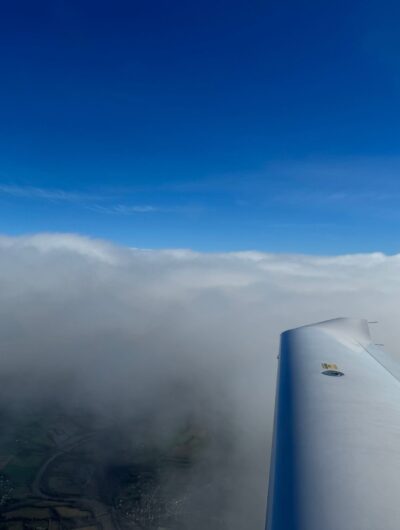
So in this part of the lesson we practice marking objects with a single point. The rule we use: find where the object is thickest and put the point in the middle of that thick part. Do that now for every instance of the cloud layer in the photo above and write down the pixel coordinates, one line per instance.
(120, 329)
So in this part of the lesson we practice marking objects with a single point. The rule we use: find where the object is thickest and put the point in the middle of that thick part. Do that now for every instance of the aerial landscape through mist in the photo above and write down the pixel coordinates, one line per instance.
(137, 386)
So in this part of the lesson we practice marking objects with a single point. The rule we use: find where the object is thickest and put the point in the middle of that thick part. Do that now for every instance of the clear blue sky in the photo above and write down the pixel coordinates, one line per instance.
(214, 125)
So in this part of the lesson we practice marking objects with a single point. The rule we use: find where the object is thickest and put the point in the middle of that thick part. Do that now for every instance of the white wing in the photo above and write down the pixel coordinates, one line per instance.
(336, 456)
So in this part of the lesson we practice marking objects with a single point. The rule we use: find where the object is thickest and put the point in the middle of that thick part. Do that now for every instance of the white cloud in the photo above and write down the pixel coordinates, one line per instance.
(33, 192)
(123, 209)
(132, 209)
(103, 203)
(126, 325)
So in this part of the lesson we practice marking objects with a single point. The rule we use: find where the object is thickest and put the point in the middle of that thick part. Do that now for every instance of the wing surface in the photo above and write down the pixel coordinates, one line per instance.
(335, 462)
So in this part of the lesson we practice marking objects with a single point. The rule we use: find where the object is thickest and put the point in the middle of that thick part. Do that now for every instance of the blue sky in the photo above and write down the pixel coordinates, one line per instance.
(214, 125)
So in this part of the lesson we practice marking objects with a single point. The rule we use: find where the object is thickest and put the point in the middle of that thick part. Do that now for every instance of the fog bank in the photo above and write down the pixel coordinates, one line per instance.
(174, 335)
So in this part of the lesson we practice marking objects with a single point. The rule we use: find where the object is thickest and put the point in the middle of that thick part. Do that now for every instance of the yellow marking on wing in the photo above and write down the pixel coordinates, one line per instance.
(329, 366)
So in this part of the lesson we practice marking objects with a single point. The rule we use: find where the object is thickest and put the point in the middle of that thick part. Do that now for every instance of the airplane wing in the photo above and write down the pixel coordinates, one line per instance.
(335, 461)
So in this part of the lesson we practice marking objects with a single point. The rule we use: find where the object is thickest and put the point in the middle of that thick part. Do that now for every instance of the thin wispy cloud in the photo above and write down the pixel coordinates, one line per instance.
(363, 186)
(96, 202)
(123, 209)
(127, 209)
(324, 197)
(33, 192)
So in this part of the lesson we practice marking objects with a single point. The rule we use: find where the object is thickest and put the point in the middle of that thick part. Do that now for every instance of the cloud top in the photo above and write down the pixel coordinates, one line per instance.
(122, 329)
